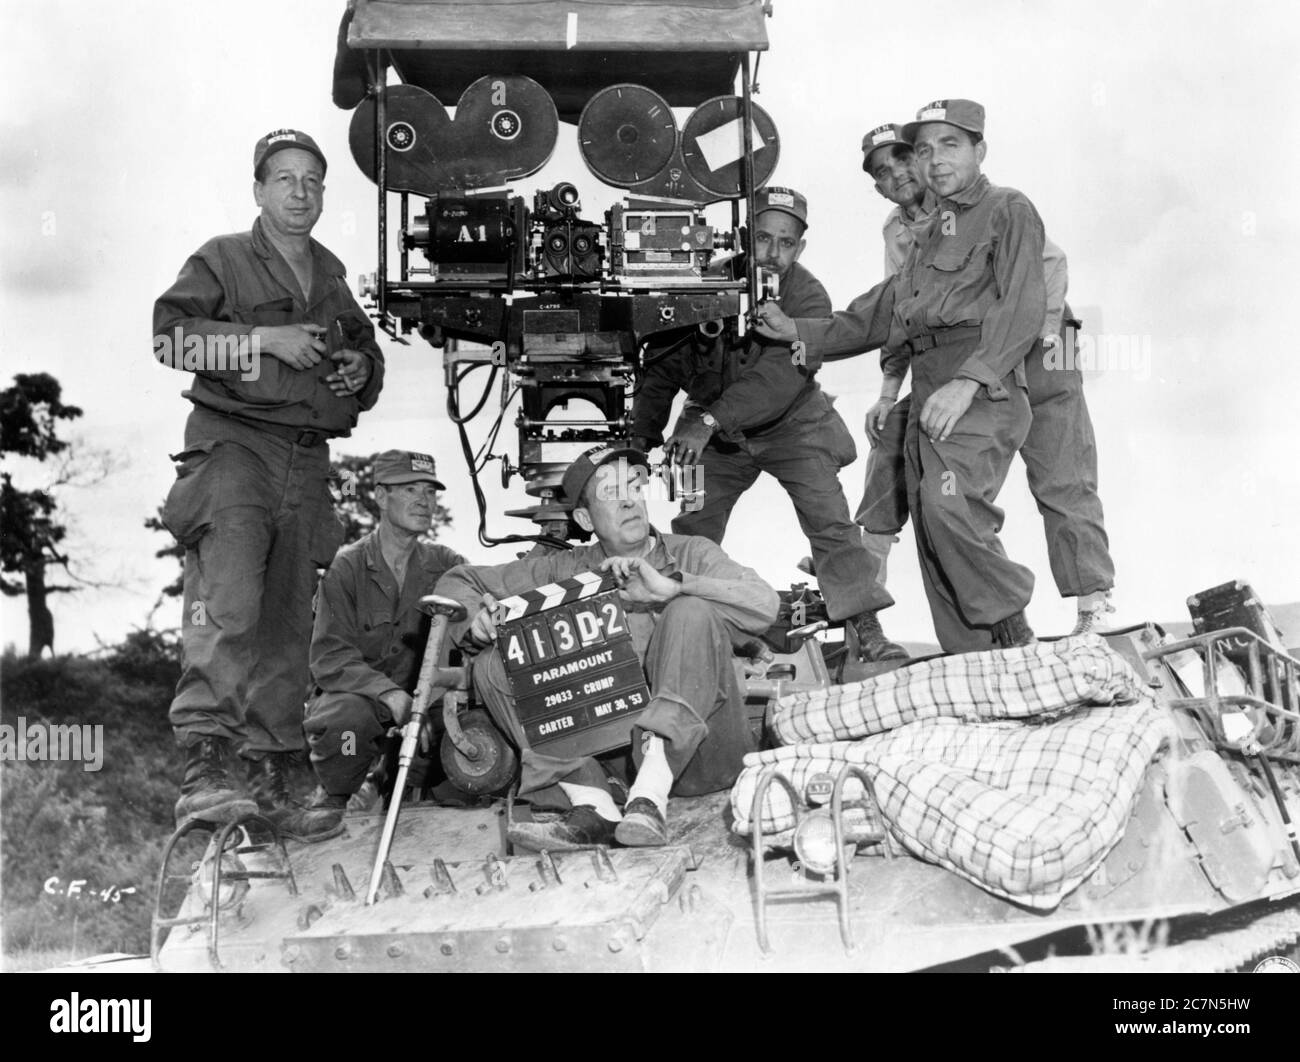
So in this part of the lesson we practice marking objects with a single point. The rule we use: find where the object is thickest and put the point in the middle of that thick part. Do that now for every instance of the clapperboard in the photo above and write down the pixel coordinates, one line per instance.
(574, 671)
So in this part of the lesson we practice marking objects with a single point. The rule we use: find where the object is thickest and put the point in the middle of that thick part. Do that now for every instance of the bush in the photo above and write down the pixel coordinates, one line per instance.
(148, 657)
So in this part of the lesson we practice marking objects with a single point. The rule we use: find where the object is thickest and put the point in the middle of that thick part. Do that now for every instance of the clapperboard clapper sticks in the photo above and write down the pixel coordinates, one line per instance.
(573, 668)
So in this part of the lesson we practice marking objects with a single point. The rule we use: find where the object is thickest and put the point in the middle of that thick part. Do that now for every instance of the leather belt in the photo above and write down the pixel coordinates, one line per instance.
(297, 436)
(943, 336)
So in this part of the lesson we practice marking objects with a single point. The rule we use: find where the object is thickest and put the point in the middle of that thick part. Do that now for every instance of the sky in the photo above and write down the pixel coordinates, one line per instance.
(1157, 140)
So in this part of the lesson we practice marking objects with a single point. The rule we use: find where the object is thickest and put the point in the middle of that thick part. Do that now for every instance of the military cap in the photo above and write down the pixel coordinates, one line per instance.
(964, 114)
(786, 200)
(886, 135)
(583, 467)
(278, 140)
(394, 467)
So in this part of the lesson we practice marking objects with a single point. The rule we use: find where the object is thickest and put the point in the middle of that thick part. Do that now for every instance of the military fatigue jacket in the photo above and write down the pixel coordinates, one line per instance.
(901, 233)
(744, 600)
(980, 261)
(369, 634)
(749, 388)
(231, 285)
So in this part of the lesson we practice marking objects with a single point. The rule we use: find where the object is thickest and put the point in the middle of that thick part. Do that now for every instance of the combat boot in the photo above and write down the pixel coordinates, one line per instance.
(207, 792)
(873, 646)
(1013, 632)
(579, 827)
(643, 825)
(269, 777)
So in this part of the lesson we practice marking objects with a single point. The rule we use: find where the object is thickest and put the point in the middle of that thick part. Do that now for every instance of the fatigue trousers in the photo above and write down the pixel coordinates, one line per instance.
(254, 513)
(805, 456)
(1060, 455)
(696, 706)
(883, 511)
(970, 582)
(345, 732)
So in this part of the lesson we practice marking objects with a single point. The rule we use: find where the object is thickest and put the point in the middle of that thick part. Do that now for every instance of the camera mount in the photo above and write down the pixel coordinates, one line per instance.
(561, 307)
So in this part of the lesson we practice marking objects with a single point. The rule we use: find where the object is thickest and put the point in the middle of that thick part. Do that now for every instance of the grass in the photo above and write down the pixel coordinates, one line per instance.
(35, 959)
(104, 829)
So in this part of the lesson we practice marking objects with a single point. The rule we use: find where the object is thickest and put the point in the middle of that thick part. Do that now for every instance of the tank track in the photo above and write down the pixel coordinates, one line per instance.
(1223, 951)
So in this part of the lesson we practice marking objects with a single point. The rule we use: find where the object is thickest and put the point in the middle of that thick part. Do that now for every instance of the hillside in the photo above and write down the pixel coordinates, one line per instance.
(103, 828)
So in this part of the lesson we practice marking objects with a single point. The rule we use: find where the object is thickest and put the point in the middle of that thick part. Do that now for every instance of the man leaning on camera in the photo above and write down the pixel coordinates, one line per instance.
(251, 503)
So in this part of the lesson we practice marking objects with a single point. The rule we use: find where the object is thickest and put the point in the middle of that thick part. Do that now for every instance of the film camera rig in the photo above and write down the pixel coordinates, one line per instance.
(558, 305)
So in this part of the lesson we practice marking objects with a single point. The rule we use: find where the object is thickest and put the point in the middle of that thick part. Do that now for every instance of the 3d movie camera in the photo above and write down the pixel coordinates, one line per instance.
(563, 306)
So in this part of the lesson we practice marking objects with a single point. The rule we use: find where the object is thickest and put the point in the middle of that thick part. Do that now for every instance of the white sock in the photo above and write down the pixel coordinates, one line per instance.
(655, 777)
(588, 796)
(1096, 602)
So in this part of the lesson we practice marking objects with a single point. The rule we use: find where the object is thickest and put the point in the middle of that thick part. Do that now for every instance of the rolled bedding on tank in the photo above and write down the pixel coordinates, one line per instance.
(1016, 769)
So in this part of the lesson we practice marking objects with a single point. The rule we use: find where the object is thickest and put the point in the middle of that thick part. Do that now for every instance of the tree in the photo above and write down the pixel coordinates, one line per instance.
(173, 549)
(29, 414)
(353, 488)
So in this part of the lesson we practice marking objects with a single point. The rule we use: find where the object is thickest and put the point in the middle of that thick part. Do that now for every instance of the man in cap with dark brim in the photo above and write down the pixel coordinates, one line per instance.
(251, 503)
(370, 632)
(766, 412)
(891, 164)
(684, 599)
(967, 307)
(889, 160)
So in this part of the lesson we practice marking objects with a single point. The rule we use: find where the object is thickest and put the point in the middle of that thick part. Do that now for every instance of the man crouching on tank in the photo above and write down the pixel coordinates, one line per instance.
(684, 597)
(369, 634)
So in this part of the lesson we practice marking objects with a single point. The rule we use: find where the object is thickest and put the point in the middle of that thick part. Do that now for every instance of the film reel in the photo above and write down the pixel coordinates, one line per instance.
(713, 146)
(627, 134)
(417, 124)
(505, 128)
(673, 182)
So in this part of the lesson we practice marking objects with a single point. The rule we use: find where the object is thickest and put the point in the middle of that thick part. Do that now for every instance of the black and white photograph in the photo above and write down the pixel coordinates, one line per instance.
(652, 486)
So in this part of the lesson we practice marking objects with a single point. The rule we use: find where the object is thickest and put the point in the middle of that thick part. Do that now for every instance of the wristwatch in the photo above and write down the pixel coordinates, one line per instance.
(709, 420)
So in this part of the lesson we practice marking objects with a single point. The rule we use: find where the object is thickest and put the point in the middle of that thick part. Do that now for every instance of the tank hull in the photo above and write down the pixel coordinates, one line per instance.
(1204, 839)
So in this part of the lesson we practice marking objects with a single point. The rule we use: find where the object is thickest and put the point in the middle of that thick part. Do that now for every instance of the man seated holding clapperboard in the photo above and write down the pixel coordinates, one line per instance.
(683, 598)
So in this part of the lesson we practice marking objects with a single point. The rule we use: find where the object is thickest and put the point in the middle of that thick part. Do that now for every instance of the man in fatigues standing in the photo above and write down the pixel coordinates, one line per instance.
(890, 162)
(370, 632)
(967, 307)
(1060, 451)
(251, 502)
(753, 409)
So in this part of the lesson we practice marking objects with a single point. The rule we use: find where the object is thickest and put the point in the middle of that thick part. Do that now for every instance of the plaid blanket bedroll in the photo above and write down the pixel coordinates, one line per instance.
(1024, 809)
(1035, 681)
